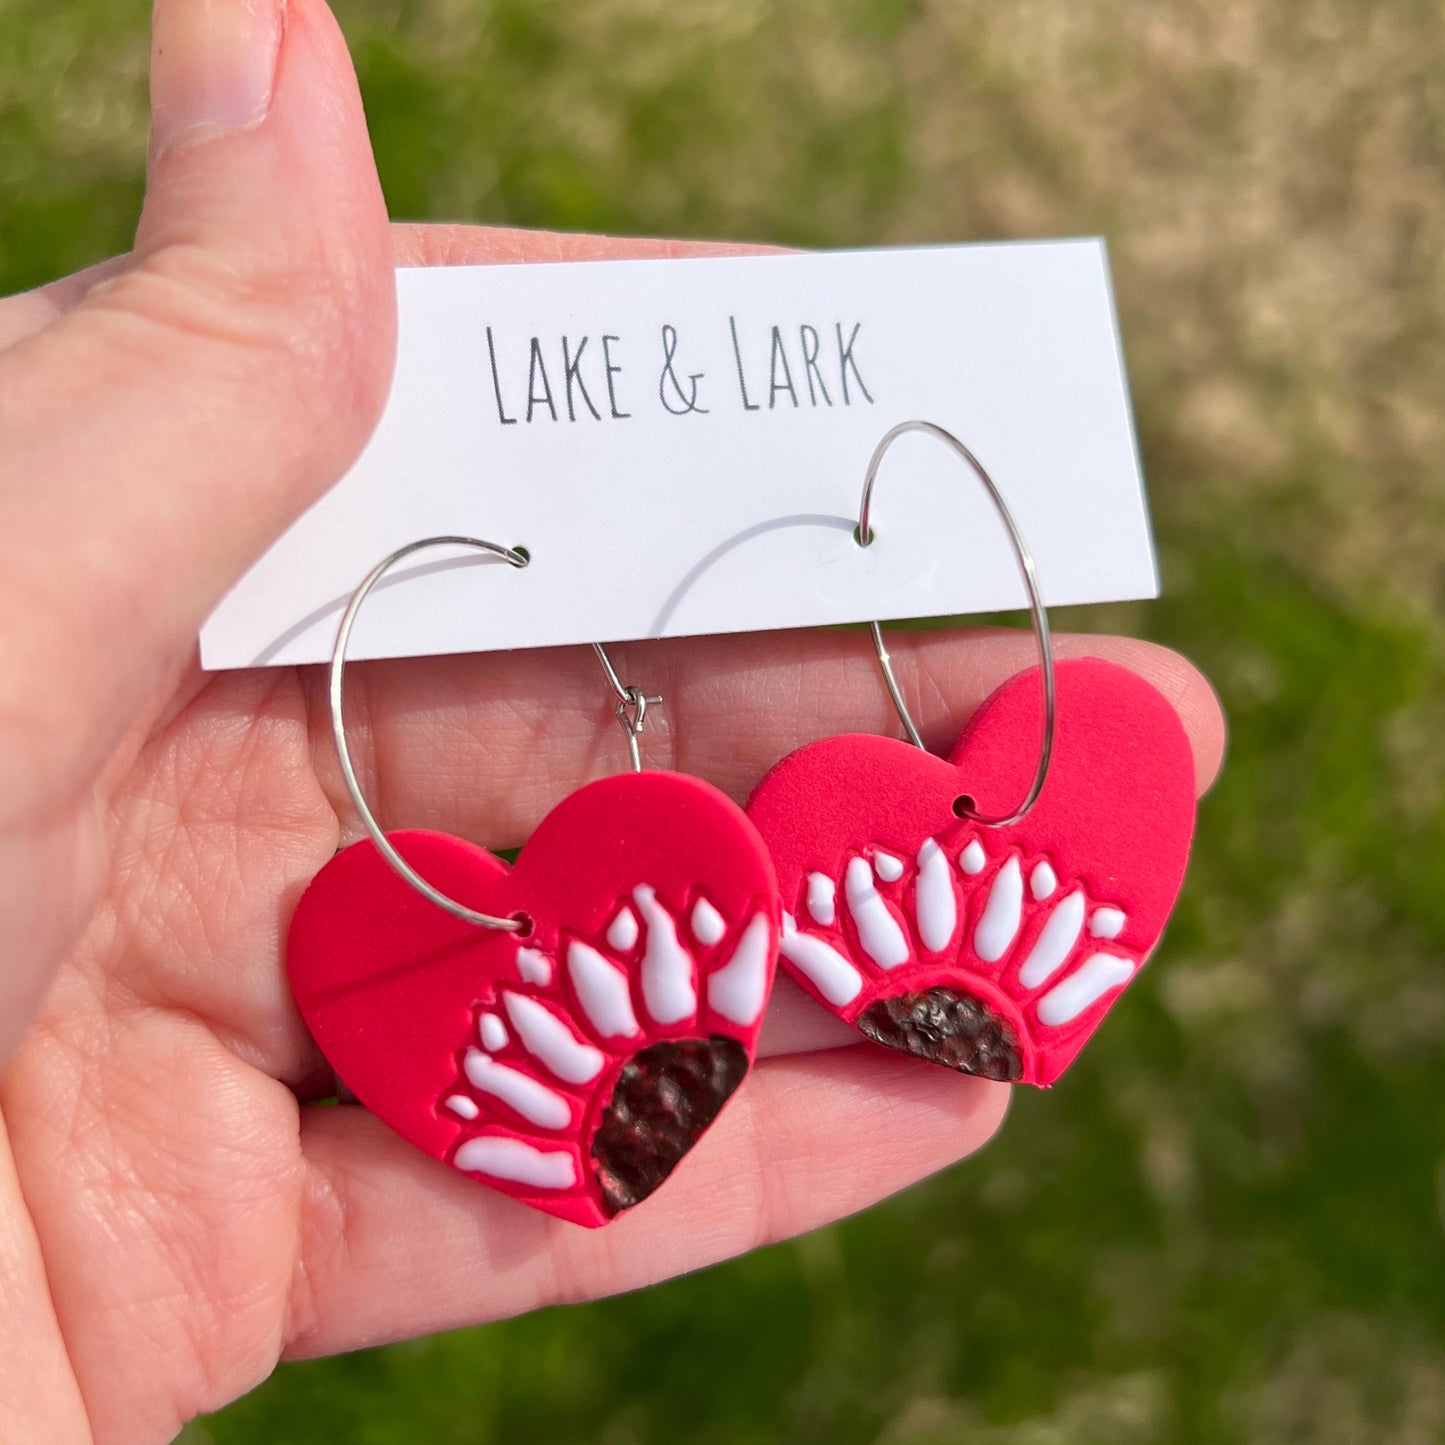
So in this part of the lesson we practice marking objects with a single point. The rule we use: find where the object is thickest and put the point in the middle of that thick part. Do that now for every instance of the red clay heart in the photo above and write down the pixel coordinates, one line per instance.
(994, 951)
(573, 1068)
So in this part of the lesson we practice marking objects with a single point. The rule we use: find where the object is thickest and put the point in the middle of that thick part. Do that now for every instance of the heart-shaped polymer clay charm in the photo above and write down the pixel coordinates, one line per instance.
(574, 1067)
(994, 951)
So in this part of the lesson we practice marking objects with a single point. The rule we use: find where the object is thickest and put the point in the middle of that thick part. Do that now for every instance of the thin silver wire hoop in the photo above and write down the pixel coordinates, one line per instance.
(338, 730)
(1025, 562)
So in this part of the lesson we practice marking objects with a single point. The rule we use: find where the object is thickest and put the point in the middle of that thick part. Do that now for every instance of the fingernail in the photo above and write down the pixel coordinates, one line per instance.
(213, 68)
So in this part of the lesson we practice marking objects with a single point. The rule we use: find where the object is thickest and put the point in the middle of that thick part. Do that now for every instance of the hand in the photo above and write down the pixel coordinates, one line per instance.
(173, 1217)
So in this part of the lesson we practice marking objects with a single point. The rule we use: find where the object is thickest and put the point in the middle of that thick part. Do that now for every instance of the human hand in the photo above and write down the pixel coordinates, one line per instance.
(174, 1217)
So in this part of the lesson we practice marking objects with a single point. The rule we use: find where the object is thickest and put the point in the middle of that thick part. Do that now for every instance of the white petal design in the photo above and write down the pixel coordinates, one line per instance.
(534, 966)
(828, 971)
(822, 899)
(549, 1039)
(707, 923)
(971, 860)
(1107, 922)
(623, 932)
(1055, 942)
(462, 1106)
(1097, 975)
(1043, 880)
(739, 990)
(602, 991)
(532, 1099)
(936, 904)
(878, 929)
(667, 986)
(517, 1162)
(1001, 914)
(492, 1032)
(889, 868)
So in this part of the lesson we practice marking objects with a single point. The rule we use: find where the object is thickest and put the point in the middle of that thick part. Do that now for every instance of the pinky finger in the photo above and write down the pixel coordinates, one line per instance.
(394, 1244)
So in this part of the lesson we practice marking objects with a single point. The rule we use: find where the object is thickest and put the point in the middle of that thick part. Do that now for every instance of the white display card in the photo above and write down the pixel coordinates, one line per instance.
(680, 446)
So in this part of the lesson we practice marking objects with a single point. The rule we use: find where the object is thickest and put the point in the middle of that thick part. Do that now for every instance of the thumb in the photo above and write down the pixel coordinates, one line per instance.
(157, 437)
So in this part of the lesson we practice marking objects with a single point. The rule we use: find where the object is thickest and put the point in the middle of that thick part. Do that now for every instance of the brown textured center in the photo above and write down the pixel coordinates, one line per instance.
(948, 1028)
(666, 1096)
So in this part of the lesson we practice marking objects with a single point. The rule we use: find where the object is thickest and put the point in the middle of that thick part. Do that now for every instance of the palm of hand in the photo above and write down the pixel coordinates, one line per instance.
(159, 1153)
(195, 1214)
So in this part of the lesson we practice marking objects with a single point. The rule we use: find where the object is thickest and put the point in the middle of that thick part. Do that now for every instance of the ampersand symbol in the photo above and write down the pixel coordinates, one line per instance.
(685, 400)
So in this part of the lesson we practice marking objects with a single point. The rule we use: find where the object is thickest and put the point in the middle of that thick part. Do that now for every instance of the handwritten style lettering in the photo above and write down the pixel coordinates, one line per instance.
(778, 366)
(792, 364)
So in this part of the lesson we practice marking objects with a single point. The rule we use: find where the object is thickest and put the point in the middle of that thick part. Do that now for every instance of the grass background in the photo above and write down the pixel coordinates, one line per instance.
(1227, 1225)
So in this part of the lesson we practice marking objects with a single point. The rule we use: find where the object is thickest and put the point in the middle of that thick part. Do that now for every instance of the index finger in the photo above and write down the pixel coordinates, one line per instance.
(417, 245)
(484, 746)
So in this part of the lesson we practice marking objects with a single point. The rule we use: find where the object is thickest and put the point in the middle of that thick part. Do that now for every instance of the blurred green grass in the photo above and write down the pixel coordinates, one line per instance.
(1226, 1225)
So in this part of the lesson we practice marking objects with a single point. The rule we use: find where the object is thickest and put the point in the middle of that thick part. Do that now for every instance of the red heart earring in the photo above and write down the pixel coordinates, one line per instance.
(565, 1029)
(938, 914)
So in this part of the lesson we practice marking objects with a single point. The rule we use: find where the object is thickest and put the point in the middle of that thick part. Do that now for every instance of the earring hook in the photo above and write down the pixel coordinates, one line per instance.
(632, 706)
(1036, 606)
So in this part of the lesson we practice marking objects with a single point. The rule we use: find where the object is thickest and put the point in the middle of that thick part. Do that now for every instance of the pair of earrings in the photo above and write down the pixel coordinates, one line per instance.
(565, 1029)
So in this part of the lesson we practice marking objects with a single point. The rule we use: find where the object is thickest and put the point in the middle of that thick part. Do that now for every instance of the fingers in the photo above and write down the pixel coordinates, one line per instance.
(158, 435)
(499, 245)
(395, 1244)
(484, 746)
(412, 245)
(798, 1024)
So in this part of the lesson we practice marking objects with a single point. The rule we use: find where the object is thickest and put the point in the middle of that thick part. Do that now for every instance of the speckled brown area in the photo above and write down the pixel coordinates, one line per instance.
(667, 1095)
(948, 1028)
